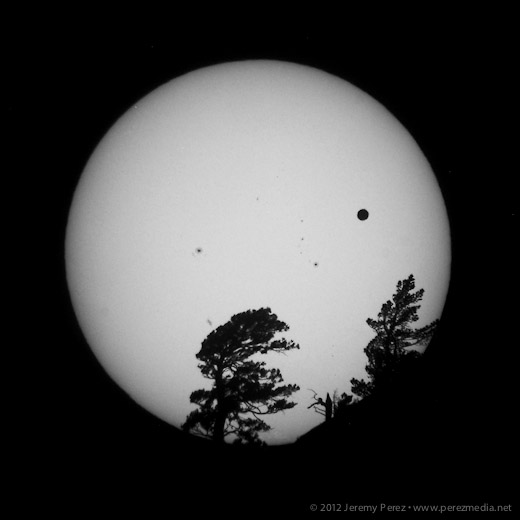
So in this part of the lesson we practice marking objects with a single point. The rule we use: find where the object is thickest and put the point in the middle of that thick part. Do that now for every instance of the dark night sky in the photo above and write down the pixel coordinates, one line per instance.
(450, 86)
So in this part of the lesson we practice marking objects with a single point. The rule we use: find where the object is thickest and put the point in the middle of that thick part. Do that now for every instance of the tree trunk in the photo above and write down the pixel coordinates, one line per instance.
(328, 408)
(218, 432)
(220, 420)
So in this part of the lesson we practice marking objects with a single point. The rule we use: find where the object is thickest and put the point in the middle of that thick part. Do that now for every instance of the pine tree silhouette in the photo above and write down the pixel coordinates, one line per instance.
(243, 390)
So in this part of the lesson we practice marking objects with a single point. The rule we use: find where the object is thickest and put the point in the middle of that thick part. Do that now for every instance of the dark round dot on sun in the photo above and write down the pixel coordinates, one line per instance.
(362, 214)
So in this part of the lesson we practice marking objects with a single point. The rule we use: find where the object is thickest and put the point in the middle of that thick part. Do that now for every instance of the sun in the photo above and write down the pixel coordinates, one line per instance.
(249, 185)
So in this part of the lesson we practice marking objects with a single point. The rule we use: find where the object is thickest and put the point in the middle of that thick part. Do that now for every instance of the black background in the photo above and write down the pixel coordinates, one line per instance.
(85, 444)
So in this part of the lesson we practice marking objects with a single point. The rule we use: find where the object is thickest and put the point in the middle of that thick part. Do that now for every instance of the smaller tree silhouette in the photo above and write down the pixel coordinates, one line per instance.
(330, 406)
(243, 389)
(323, 407)
(390, 351)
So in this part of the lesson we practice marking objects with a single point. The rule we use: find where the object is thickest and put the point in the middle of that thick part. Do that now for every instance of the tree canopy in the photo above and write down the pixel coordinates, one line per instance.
(243, 389)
